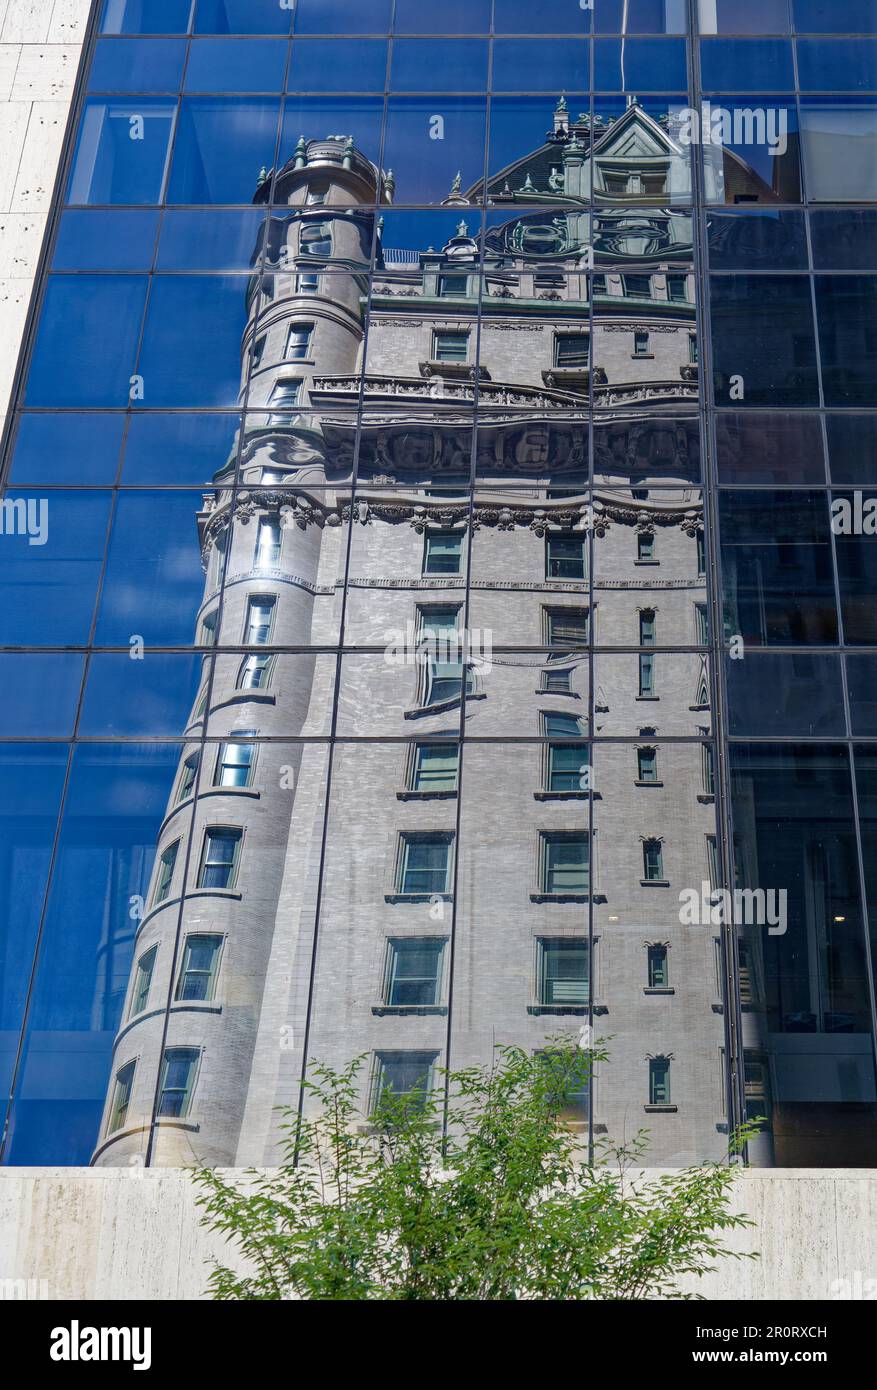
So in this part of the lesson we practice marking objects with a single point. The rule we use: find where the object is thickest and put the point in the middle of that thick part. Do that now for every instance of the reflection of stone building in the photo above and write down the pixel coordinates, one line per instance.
(533, 885)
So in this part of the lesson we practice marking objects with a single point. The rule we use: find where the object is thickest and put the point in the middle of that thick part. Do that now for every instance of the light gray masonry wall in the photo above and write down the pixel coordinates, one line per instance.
(106, 1234)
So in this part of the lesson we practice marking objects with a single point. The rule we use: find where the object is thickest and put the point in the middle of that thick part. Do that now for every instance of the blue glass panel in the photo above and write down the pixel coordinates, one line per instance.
(67, 449)
(457, 17)
(639, 65)
(191, 353)
(40, 693)
(862, 687)
(744, 16)
(87, 341)
(338, 65)
(122, 151)
(116, 800)
(835, 16)
(154, 581)
(47, 592)
(640, 16)
(137, 65)
(188, 449)
(221, 147)
(746, 65)
(242, 17)
(548, 17)
(762, 330)
(433, 65)
(846, 311)
(317, 117)
(425, 168)
(123, 240)
(223, 65)
(31, 782)
(343, 16)
(214, 240)
(837, 65)
(539, 65)
(844, 240)
(146, 16)
(137, 699)
(852, 448)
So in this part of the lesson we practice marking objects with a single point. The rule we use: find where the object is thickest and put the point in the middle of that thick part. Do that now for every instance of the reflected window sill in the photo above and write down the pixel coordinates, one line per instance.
(648, 782)
(658, 989)
(410, 794)
(418, 897)
(660, 1109)
(654, 883)
(566, 796)
(410, 1010)
(560, 1010)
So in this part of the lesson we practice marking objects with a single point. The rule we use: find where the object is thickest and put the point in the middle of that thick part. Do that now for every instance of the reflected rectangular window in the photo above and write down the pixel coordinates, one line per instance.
(653, 861)
(402, 1074)
(177, 1081)
(564, 557)
(434, 768)
(645, 547)
(450, 347)
(255, 672)
(565, 862)
(219, 857)
(414, 972)
(298, 341)
(659, 974)
(285, 395)
(562, 973)
(568, 768)
(659, 1081)
(143, 981)
(234, 765)
(268, 544)
(572, 349)
(558, 682)
(121, 1097)
(443, 552)
(453, 286)
(568, 1087)
(641, 344)
(164, 876)
(425, 863)
(647, 764)
(566, 627)
(197, 979)
(260, 620)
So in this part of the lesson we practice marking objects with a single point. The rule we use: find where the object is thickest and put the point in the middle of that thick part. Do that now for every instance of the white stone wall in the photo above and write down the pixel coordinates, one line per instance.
(40, 44)
(105, 1234)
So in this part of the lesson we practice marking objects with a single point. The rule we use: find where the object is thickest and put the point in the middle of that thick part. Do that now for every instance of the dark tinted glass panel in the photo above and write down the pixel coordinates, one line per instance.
(220, 148)
(743, 16)
(751, 153)
(146, 16)
(122, 152)
(793, 822)
(763, 342)
(844, 240)
(862, 688)
(343, 16)
(854, 522)
(760, 240)
(777, 566)
(756, 448)
(242, 17)
(223, 65)
(852, 448)
(48, 591)
(67, 448)
(137, 65)
(846, 310)
(123, 240)
(31, 781)
(746, 65)
(834, 16)
(789, 694)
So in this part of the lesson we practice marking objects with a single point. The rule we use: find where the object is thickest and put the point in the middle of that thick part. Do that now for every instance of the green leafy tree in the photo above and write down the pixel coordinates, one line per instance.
(482, 1193)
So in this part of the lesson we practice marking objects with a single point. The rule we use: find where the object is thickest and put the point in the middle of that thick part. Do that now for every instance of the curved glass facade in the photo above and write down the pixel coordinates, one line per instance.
(437, 608)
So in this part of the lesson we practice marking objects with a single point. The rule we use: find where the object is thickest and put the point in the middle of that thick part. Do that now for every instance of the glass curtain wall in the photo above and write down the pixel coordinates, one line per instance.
(437, 608)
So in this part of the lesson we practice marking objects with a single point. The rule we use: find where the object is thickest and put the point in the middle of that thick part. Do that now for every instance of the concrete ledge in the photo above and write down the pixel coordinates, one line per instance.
(105, 1233)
